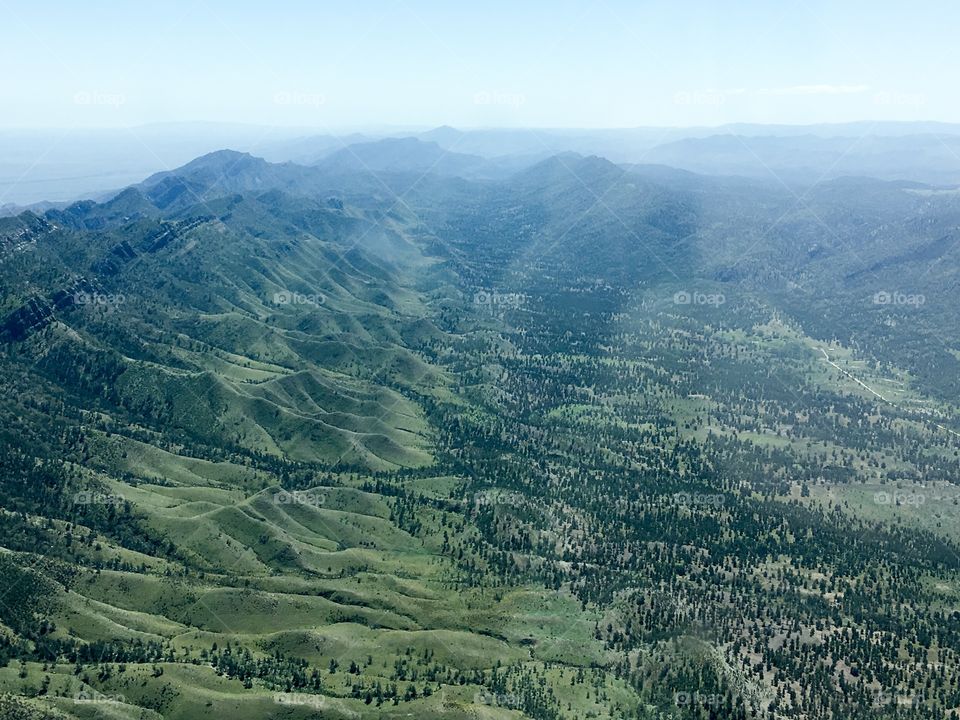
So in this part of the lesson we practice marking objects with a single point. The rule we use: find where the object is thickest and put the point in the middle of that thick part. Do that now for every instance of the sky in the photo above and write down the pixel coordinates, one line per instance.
(420, 63)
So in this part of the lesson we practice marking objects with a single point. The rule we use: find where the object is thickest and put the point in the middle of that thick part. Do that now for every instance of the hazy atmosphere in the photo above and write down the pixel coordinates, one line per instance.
(100, 96)
(539, 361)
(421, 64)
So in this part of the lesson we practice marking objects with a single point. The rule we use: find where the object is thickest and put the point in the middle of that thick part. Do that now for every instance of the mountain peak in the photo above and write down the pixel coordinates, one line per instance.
(403, 154)
(567, 166)
(226, 160)
(443, 134)
(217, 163)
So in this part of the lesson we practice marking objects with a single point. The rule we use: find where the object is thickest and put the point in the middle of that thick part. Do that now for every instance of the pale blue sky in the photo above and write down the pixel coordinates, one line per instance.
(422, 63)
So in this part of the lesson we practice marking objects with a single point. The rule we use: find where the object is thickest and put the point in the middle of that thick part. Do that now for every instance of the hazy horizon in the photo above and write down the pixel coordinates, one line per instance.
(308, 130)
(421, 64)
(515, 361)
(66, 164)
(100, 97)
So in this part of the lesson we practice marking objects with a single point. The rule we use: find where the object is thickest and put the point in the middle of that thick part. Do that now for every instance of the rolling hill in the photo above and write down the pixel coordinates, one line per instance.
(366, 439)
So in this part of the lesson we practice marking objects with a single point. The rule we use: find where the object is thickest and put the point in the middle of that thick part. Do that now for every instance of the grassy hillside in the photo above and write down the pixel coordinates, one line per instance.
(557, 446)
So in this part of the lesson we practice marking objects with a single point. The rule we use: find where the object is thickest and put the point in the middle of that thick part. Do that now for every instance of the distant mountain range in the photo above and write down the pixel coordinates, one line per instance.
(89, 164)
(405, 429)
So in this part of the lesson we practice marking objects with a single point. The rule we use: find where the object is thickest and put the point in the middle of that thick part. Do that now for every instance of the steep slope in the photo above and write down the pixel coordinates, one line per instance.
(587, 441)
(257, 338)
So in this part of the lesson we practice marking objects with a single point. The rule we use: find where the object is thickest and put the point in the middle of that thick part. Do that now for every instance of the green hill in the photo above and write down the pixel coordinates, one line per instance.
(587, 441)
